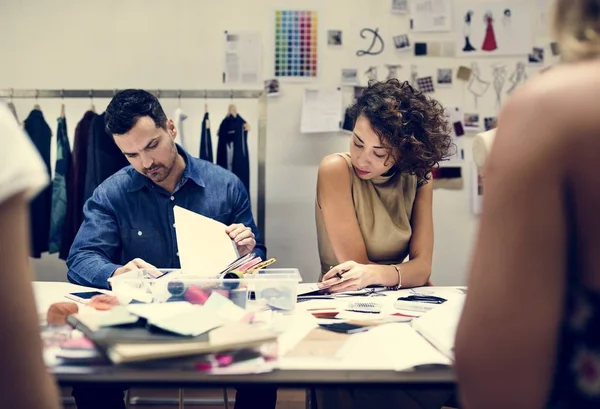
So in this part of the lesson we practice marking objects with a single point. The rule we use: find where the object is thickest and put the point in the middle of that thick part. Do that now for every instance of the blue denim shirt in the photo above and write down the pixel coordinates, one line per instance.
(129, 216)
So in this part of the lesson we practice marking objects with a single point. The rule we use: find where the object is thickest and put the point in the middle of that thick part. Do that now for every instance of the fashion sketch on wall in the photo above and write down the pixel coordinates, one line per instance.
(503, 28)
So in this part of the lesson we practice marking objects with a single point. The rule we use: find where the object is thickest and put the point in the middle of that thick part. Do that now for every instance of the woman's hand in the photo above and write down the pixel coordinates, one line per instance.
(350, 276)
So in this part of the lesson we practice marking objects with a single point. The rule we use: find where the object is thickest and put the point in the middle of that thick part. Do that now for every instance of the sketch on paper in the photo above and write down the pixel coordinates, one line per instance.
(431, 15)
(371, 73)
(501, 28)
(499, 74)
(476, 85)
(518, 77)
(392, 71)
(468, 47)
(414, 75)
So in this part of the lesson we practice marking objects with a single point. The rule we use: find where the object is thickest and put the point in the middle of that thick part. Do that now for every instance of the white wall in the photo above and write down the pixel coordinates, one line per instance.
(178, 44)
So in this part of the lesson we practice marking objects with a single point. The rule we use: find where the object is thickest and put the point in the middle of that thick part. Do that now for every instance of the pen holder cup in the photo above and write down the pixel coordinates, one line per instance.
(275, 290)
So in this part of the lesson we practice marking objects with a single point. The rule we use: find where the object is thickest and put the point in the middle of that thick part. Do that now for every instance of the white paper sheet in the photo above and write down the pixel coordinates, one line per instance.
(322, 110)
(431, 15)
(439, 325)
(243, 56)
(476, 190)
(204, 247)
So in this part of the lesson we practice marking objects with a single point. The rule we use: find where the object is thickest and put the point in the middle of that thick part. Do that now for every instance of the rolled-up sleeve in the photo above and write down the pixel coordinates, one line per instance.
(95, 250)
(242, 213)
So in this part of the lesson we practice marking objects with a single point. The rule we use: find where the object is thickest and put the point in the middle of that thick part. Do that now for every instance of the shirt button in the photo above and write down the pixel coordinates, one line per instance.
(139, 232)
(172, 197)
(173, 225)
(177, 254)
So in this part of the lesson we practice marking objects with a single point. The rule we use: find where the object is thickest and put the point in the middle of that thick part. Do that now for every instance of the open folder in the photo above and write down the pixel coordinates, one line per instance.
(204, 247)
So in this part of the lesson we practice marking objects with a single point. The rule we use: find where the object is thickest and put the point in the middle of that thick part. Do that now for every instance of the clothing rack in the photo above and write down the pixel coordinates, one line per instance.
(232, 94)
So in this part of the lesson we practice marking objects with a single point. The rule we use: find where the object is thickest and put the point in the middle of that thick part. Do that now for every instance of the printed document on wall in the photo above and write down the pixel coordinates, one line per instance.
(243, 56)
(322, 110)
(431, 15)
(203, 246)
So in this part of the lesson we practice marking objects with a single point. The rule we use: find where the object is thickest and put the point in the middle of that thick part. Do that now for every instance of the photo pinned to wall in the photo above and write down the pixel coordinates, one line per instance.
(476, 190)
(349, 76)
(455, 119)
(518, 77)
(334, 38)
(272, 87)
(296, 50)
(536, 56)
(400, 6)
(425, 84)
(402, 42)
(392, 71)
(472, 121)
(489, 122)
(420, 49)
(431, 16)
(499, 74)
(554, 48)
(477, 86)
(502, 28)
(444, 77)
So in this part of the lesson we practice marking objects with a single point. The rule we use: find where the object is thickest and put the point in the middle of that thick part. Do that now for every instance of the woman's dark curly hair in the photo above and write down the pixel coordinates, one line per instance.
(413, 126)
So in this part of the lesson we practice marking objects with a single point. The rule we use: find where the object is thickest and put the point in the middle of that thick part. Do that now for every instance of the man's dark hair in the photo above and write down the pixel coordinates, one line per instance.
(128, 106)
(407, 122)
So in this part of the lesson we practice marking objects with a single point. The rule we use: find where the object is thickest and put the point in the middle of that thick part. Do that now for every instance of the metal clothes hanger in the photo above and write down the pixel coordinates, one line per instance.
(37, 105)
(232, 108)
(62, 106)
(92, 107)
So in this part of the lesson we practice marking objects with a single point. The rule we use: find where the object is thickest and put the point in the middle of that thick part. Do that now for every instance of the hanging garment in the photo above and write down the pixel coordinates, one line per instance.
(76, 183)
(59, 186)
(206, 151)
(489, 42)
(39, 209)
(103, 159)
(180, 116)
(232, 149)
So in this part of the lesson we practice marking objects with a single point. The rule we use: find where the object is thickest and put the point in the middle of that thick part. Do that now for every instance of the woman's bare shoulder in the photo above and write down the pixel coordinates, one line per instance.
(334, 164)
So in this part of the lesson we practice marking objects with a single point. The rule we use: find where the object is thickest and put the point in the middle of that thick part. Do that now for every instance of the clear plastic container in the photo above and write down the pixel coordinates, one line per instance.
(274, 289)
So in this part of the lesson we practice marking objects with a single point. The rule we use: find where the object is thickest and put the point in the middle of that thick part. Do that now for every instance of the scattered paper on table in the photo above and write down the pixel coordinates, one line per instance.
(243, 55)
(204, 247)
(321, 110)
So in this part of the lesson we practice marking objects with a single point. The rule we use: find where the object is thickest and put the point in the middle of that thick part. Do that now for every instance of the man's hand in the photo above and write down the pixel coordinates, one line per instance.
(243, 238)
(135, 264)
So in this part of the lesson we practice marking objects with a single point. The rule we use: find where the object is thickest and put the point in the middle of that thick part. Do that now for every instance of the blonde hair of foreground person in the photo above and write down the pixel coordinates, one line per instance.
(25, 382)
(538, 235)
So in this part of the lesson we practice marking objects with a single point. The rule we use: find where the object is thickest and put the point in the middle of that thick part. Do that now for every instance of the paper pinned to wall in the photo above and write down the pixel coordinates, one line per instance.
(243, 56)
(321, 110)
(502, 28)
(431, 15)
(203, 246)
(476, 190)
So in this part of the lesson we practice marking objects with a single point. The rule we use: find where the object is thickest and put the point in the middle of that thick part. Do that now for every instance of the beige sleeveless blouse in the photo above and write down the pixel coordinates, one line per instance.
(383, 208)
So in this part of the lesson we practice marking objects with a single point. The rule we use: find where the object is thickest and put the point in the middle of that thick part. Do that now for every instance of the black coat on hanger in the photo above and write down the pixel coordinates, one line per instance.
(232, 148)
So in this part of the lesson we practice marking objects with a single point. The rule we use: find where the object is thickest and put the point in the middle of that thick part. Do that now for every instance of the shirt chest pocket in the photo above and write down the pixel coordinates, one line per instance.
(145, 243)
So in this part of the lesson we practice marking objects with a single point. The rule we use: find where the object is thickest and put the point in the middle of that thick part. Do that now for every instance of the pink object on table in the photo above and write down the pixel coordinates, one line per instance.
(195, 295)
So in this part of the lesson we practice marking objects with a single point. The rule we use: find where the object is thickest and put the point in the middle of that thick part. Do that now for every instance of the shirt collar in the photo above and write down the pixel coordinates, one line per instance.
(191, 172)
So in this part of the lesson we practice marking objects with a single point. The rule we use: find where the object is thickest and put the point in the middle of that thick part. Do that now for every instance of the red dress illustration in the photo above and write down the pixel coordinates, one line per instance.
(489, 42)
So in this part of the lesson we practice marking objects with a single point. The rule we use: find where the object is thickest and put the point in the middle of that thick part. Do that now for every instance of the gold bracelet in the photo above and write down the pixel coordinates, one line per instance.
(399, 275)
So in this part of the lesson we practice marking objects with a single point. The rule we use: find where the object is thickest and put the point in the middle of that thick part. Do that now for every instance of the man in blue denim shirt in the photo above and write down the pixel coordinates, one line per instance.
(129, 223)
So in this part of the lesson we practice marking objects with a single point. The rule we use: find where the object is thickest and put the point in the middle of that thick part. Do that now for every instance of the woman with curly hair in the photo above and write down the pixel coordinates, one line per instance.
(374, 208)
(374, 204)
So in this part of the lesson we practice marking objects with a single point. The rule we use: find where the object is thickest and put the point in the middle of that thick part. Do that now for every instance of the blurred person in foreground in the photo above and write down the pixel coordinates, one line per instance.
(26, 384)
(529, 336)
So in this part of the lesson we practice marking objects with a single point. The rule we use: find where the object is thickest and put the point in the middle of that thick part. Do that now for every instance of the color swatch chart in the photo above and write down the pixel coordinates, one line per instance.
(296, 43)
